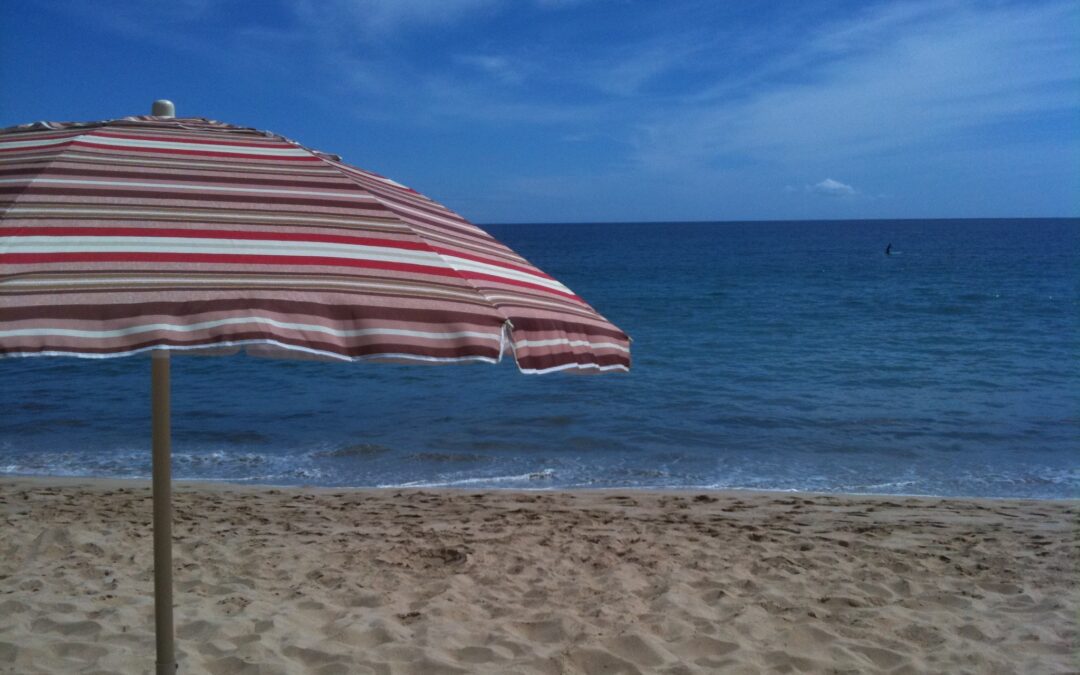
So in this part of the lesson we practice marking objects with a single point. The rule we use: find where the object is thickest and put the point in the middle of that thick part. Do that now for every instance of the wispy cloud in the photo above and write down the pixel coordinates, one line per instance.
(628, 72)
(384, 18)
(680, 97)
(499, 67)
(888, 79)
(559, 4)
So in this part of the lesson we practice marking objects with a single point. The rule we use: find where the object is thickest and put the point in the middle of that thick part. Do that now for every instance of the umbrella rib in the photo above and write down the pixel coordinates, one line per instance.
(335, 162)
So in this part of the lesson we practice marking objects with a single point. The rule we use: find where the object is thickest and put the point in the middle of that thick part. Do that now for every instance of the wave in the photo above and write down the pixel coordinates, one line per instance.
(534, 476)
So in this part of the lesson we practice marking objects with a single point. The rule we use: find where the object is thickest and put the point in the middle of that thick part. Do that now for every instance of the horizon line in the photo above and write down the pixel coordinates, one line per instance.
(768, 220)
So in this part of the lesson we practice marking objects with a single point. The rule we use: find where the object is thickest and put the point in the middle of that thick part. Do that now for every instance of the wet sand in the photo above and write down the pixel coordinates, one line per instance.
(276, 580)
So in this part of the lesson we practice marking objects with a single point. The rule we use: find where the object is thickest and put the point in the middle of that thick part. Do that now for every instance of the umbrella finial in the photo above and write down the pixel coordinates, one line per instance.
(163, 108)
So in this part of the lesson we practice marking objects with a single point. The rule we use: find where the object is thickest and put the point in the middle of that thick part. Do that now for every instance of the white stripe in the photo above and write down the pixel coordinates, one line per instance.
(455, 223)
(569, 366)
(420, 213)
(196, 187)
(112, 213)
(316, 249)
(461, 263)
(36, 143)
(205, 147)
(496, 270)
(328, 355)
(489, 248)
(286, 347)
(570, 343)
(391, 181)
(570, 305)
(187, 162)
(166, 281)
(360, 174)
(177, 328)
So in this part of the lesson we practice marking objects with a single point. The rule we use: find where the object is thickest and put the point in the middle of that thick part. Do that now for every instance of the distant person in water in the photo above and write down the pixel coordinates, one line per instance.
(888, 250)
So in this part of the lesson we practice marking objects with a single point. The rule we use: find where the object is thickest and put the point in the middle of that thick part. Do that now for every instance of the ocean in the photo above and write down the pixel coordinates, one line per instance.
(767, 355)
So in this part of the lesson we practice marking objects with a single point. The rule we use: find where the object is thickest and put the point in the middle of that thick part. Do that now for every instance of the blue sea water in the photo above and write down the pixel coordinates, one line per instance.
(780, 355)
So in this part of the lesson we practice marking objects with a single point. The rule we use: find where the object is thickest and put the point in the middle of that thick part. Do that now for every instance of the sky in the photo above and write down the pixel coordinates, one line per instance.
(603, 110)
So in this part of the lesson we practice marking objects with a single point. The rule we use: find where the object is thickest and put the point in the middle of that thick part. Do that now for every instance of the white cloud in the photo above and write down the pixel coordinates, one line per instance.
(832, 188)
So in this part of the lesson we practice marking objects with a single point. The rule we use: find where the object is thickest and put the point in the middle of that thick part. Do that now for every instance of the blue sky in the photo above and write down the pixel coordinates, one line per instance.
(579, 110)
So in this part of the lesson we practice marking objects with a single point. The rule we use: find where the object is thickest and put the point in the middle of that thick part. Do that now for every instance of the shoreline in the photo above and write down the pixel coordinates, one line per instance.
(450, 580)
(202, 483)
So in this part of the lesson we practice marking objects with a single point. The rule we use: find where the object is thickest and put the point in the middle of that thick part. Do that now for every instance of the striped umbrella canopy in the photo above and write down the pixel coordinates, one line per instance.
(156, 234)
(150, 232)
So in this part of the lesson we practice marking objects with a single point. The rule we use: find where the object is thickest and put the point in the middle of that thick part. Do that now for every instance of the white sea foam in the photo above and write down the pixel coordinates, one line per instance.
(542, 475)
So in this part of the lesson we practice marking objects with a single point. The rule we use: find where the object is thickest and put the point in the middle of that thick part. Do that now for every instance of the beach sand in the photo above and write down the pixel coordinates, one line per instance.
(275, 580)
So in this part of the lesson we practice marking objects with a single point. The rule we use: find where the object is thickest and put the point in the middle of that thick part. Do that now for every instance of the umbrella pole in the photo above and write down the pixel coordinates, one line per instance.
(162, 486)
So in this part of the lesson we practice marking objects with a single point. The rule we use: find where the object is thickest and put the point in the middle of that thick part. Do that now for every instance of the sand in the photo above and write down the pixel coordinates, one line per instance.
(407, 581)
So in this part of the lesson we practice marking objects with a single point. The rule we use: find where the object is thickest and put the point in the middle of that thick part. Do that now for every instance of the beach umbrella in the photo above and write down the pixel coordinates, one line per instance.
(155, 234)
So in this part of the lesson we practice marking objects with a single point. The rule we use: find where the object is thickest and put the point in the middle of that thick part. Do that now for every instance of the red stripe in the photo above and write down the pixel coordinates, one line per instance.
(200, 153)
(194, 177)
(252, 236)
(372, 177)
(16, 134)
(46, 258)
(359, 204)
(33, 148)
(544, 361)
(208, 234)
(378, 348)
(409, 200)
(200, 141)
(284, 260)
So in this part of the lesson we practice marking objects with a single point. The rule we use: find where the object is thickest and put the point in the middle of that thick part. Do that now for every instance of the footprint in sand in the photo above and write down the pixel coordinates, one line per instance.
(972, 632)
(477, 655)
(704, 647)
(882, 658)
(80, 651)
(545, 631)
(83, 629)
(590, 660)
(197, 631)
(311, 658)
(233, 665)
(636, 649)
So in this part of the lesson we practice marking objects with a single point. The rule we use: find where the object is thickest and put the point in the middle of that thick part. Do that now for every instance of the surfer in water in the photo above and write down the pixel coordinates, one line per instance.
(888, 249)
